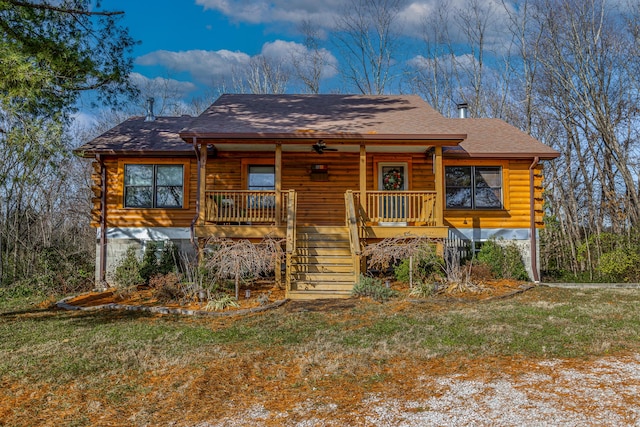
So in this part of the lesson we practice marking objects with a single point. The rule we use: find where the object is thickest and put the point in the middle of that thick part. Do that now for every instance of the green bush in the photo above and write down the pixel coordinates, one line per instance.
(221, 301)
(513, 264)
(423, 290)
(504, 261)
(152, 266)
(149, 265)
(620, 265)
(492, 255)
(127, 272)
(373, 288)
(427, 266)
(169, 257)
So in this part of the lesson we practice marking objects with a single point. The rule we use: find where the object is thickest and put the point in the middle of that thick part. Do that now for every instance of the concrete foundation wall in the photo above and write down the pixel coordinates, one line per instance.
(520, 236)
(119, 240)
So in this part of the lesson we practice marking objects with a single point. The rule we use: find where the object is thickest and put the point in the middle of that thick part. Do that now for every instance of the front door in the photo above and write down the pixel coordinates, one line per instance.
(393, 177)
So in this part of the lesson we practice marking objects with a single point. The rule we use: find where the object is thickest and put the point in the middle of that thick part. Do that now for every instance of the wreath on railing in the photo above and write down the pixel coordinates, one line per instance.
(392, 180)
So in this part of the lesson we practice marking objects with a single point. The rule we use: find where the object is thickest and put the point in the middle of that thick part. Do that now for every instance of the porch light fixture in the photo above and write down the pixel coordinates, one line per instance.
(319, 172)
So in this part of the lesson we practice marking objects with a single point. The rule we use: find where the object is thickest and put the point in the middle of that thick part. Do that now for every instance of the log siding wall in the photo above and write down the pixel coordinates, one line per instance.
(319, 202)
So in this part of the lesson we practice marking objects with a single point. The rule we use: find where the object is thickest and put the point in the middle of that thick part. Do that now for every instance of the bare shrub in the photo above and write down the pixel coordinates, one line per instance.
(481, 273)
(457, 276)
(241, 260)
(391, 250)
(166, 287)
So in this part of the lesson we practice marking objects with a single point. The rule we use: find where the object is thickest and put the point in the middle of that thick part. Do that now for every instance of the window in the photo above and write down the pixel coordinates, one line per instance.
(153, 186)
(261, 178)
(473, 187)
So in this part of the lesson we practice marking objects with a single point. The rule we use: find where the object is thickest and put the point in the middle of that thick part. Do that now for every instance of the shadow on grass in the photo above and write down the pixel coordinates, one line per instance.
(90, 317)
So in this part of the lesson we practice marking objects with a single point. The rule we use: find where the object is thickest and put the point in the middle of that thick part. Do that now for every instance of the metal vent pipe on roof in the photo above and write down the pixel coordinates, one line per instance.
(463, 110)
(150, 116)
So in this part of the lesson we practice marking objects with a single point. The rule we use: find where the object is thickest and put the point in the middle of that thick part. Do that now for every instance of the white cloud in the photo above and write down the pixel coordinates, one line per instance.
(205, 66)
(265, 11)
(177, 87)
(213, 67)
(284, 53)
(411, 18)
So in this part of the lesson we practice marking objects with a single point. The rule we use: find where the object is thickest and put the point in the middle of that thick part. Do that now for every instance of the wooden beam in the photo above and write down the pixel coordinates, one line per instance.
(363, 174)
(278, 186)
(381, 232)
(439, 184)
(241, 231)
(202, 177)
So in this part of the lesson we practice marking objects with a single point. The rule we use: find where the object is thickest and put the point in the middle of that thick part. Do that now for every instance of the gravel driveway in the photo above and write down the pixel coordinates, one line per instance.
(602, 392)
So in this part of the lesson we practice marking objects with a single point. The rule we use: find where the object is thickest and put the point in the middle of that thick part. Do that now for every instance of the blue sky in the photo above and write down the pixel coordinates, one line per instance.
(191, 46)
(197, 41)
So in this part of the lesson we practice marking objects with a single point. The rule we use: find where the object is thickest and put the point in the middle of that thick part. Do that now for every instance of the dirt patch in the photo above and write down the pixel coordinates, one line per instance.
(264, 293)
(260, 294)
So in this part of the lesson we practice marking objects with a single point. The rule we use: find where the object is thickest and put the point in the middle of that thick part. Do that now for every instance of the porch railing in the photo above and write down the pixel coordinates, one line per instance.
(291, 207)
(416, 207)
(351, 220)
(245, 207)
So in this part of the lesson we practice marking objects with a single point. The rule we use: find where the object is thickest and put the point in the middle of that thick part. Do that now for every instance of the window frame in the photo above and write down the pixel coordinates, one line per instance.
(504, 199)
(122, 165)
(251, 165)
(247, 163)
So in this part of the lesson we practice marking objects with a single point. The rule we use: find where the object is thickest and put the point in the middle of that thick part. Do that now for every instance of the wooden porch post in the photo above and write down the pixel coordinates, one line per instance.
(439, 184)
(363, 175)
(202, 177)
(278, 186)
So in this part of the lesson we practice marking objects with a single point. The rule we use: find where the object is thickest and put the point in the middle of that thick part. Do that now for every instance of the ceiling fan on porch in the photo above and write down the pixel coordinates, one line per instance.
(320, 147)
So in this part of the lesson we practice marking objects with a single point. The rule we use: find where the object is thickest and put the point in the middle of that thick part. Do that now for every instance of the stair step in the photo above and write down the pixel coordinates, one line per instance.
(322, 268)
(323, 264)
(308, 295)
(335, 252)
(322, 286)
(323, 244)
(323, 230)
(338, 259)
(324, 277)
(310, 237)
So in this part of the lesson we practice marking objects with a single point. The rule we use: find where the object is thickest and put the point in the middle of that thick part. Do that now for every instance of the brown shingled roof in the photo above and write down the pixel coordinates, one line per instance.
(493, 138)
(135, 136)
(328, 116)
(378, 119)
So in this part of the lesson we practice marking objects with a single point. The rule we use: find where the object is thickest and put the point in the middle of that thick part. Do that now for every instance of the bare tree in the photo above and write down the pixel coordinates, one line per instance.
(431, 72)
(367, 38)
(309, 66)
(266, 76)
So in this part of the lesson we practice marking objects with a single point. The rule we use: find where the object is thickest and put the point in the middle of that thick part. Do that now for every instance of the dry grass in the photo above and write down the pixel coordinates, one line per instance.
(303, 360)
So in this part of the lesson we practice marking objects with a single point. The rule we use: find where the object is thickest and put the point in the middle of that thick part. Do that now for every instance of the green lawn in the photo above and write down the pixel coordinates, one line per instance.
(113, 356)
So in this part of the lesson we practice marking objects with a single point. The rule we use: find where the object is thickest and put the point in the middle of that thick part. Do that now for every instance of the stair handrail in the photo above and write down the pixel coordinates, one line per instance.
(351, 221)
(292, 203)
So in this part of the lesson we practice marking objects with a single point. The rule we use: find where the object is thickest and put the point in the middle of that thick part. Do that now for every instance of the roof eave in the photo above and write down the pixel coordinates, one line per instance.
(531, 155)
(89, 154)
(304, 137)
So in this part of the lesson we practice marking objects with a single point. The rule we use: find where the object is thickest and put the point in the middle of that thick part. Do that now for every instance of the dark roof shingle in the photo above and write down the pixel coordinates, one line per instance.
(491, 138)
(327, 116)
(136, 136)
(384, 119)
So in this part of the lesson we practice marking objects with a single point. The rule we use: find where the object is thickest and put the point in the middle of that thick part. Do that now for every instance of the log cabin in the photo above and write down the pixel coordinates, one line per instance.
(325, 173)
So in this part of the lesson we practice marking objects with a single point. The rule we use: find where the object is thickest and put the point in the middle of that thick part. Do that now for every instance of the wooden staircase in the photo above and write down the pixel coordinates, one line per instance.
(322, 266)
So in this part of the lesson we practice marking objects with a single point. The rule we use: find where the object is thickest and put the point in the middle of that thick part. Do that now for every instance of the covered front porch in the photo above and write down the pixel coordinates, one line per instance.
(326, 220)
(311, 188)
